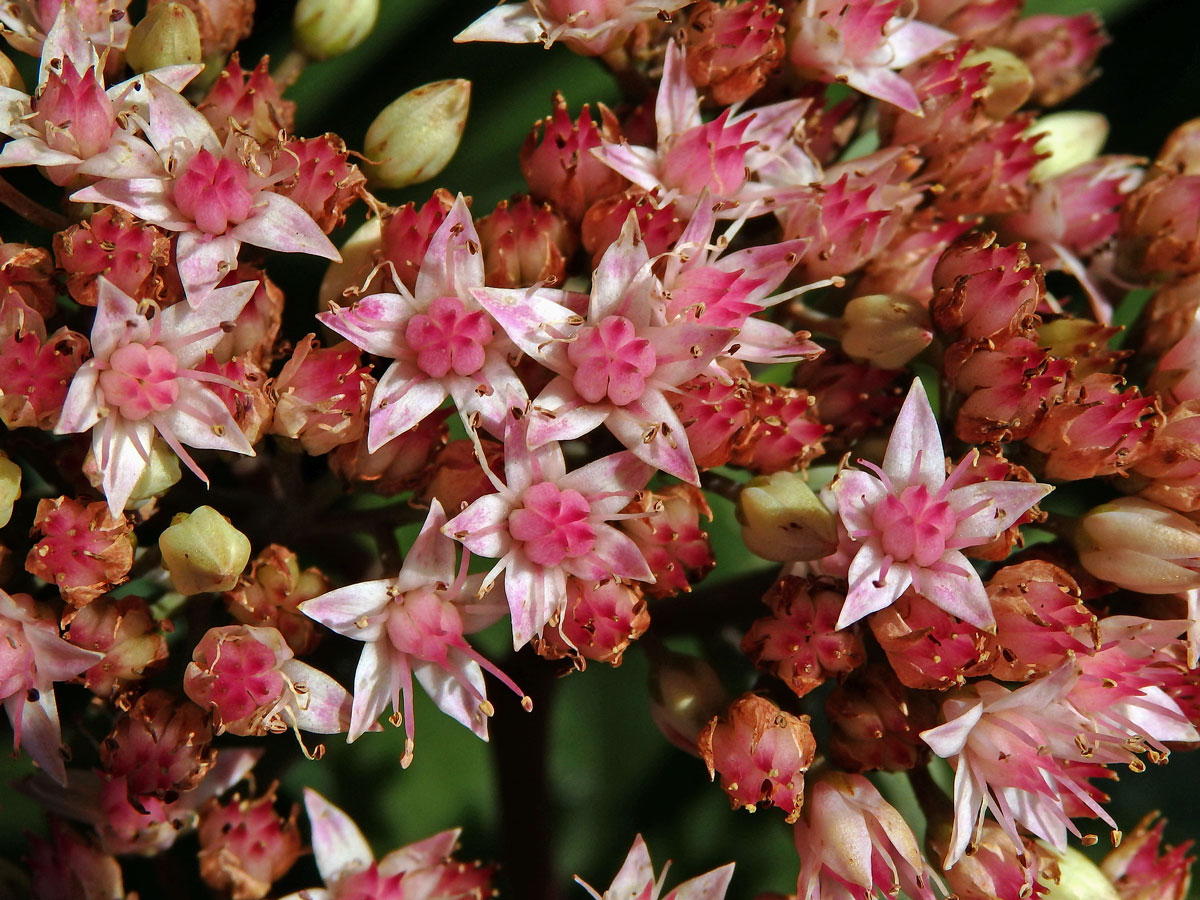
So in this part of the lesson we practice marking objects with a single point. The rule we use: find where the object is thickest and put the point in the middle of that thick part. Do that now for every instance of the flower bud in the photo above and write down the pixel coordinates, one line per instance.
(1140, 546)
(156, 478)
(415, 136)
(886, 331)
(325, 28)
(357, 259)
(1009, 81)
(203, 552)
(685, 695)
(783, 520)
(1079, 878)
(10, 76)
(10, 487)
(167, 36)
(1070, 138)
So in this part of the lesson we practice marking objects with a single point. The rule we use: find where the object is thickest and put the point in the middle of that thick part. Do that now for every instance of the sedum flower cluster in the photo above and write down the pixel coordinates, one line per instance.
(803, 266)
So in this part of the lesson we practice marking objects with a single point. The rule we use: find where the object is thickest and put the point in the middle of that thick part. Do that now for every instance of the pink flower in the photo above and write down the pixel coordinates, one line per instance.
(591, 27)
(71, 125)
(859, 43)
(28, 24)
(216, 196)
(853, 844)
(544, 524)
(413, 624)
(425, 870)
(693, 156)
(144, 378)
(636, 880)
(32, 657)
(442, 341)
(615, 366)
(912, 522)
(1016, 753)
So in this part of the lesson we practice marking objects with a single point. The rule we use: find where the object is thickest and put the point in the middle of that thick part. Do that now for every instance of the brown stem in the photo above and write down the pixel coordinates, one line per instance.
(289, 69)
(30, 210)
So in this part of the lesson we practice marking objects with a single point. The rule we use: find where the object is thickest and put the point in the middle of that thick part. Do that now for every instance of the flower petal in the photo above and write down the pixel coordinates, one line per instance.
(338, 846)
(914, 452)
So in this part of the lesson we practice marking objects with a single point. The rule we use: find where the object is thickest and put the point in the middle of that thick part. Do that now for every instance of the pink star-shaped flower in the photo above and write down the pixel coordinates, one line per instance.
(912, 523)
(413, 624)
(144, 378)
(442, 341)
(71, 124)
(215, 196)
(544, 524)
(616, 365)
(636, 880)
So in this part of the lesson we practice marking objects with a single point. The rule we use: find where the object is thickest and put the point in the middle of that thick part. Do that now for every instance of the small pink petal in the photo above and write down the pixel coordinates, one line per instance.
(338, 846)
(280, 223)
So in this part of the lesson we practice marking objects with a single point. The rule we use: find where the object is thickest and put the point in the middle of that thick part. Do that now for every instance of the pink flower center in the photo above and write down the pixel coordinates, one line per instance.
(214, 192)
(424, 625)
(611, 360)
(553, 524)
(369, 884)
(243, 681)
(914, 526)
(140, 380)
(448, 337)
(708, 156)
(74, 113)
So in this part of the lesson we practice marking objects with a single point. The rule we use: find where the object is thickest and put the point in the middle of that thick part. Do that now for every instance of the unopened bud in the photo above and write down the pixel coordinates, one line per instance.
(685, 695)
(1009, 81)
(162, 473)
(783, 520)
(10, 487)
(325, 28)
(415, 136)
(10, 76)
(203, 552)
(168, 35)
(1140, 546)
(1078, 878)
(885, 330)
(1071, 138)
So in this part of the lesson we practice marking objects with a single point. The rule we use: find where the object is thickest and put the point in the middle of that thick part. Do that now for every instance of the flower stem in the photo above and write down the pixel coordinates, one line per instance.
(30, 210)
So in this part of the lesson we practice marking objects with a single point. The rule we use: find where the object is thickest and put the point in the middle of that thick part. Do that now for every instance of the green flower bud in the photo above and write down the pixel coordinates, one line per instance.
(783, 520)
(203, 552)
(156, 478)
(10, 487)
(168, 35)
(415, 136)
(1078, 878)
(1071, 138)
(1140, 546)
(1009, 81)
(685, 695)
(885, 330)
(325, 28)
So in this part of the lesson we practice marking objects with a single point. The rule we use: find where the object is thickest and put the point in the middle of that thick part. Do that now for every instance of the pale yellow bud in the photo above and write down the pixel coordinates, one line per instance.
(783, 520)
(685, 695)
(203, 552)
(1140, 546)
(9, 76)
(326, 28)
(358, 256)
(1079, 878)
(415, 136)
(157, 477)
(10, 487)
(167, 36)
(1009, 81)
(885, 330)
(1071, 138)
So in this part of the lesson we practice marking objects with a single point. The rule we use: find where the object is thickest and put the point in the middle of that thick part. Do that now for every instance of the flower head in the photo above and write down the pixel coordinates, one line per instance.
(636, 880)
(144, 379)
(413, 624)
(912, 521)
